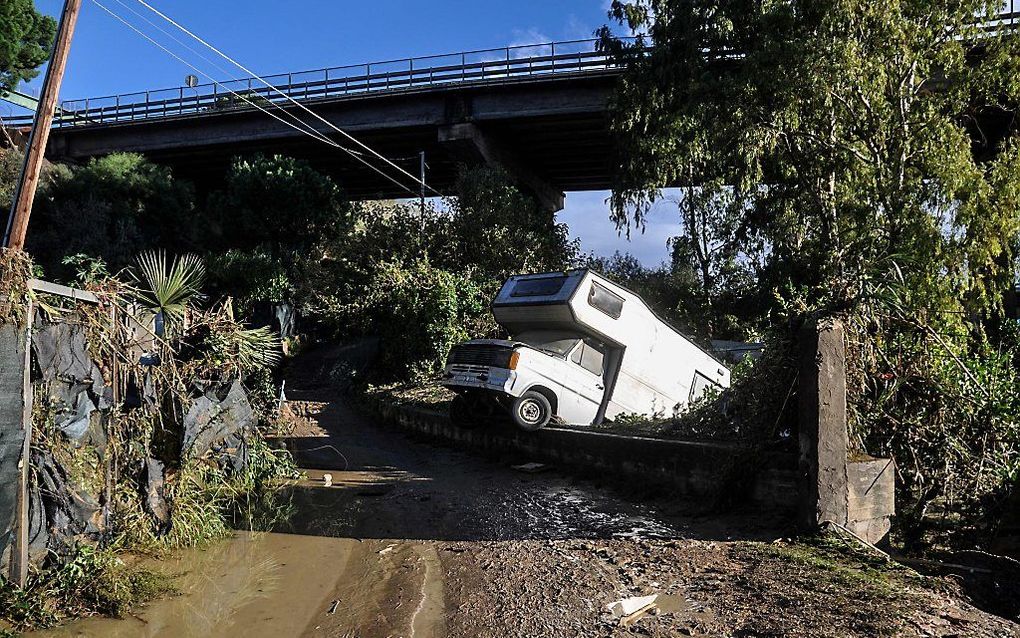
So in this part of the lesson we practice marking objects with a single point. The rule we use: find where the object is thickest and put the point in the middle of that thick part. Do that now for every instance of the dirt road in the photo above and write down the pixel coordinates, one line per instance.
(420, 541)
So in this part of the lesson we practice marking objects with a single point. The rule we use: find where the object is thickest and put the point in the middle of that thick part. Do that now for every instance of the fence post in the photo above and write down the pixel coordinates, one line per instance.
(822, 424)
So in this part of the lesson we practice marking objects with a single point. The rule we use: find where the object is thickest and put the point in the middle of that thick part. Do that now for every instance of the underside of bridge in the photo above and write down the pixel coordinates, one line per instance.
(551, 134)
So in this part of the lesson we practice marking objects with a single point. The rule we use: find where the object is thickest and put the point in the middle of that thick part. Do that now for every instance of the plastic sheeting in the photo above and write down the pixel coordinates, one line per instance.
(12, 434)
(71, 378)
(212, 418)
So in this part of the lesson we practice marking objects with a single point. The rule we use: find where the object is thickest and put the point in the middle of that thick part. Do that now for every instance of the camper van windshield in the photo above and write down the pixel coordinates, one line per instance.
(558, 343)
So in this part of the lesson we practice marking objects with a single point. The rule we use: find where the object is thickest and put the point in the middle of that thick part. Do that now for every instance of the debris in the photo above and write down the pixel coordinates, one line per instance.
(155, 502)
(332, 608)
(212, 418)
(630, 610)
(327, 479)
(531, 468)
(387, 549)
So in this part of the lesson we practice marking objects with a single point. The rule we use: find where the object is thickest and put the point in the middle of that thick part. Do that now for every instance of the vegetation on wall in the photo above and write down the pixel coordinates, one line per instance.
(142, 475)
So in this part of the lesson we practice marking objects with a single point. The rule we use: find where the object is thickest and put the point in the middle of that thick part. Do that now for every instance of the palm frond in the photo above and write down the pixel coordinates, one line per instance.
(168, 287)
(257, 348)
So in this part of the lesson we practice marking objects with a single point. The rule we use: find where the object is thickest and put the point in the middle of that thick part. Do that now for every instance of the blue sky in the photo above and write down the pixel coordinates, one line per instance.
(273, 36)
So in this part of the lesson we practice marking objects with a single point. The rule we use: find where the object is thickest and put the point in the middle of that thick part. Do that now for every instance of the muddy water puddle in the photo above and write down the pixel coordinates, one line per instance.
(276, 585)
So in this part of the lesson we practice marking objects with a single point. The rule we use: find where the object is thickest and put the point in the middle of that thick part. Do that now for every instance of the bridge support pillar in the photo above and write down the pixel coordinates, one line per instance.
(468, 142)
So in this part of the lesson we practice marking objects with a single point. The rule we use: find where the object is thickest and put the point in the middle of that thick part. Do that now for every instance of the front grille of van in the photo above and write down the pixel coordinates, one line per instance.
(480, 355)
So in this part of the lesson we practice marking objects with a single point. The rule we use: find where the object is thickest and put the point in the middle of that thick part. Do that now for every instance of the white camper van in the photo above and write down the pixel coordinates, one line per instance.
(583, 350)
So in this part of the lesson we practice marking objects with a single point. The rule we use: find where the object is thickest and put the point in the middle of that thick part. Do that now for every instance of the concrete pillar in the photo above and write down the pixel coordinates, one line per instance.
(468, 142)
(822, 424)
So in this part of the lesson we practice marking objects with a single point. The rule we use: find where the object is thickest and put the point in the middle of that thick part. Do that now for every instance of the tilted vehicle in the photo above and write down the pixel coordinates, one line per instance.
(583, 350)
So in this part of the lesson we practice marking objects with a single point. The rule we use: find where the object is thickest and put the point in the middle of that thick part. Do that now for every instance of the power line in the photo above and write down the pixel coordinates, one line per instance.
(284, 95)
(219, 68)
(315, 135)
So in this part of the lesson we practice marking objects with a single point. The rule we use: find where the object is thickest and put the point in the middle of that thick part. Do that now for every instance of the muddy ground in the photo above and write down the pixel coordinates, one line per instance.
(411, 539)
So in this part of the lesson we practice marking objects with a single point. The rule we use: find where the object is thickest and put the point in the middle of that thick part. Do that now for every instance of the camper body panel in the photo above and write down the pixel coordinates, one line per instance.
(623, 358)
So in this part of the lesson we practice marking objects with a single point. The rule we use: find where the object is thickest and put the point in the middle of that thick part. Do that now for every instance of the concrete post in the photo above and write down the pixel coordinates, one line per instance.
(823, 424)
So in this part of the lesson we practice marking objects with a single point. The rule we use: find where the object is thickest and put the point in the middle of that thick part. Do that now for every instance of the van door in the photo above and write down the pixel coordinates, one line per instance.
(587, 365)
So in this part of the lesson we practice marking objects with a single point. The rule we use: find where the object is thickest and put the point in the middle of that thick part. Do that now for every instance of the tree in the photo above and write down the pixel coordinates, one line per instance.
(26, 37)
(849, 138)
(501, 231)
(841, 128)
(277, 202)
(112, 208)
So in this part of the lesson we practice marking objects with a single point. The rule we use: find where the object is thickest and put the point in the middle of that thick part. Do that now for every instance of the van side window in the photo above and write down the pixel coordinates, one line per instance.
(588, 357)
(700, 385)
(606, 300)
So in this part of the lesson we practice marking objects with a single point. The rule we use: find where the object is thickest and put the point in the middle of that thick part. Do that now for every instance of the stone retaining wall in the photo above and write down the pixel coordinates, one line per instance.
(693, 469)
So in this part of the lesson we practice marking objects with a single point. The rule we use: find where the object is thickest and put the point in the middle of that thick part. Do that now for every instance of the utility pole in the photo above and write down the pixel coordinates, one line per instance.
(421, 158)
(17, 222)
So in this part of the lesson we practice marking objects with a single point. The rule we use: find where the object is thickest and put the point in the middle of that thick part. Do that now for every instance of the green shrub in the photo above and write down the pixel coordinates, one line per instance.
(421, 312)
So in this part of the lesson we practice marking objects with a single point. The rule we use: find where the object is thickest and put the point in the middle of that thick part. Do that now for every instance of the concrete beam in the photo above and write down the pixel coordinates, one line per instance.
(467, 141)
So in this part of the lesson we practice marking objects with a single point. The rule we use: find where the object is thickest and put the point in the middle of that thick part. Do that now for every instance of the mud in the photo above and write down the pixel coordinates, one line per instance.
(419, 541)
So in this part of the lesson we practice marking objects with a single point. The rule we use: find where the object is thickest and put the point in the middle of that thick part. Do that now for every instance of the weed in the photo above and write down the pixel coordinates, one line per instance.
(91, 581)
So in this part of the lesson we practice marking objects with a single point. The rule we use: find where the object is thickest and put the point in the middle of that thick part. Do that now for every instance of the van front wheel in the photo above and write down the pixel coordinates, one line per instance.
(531, 411)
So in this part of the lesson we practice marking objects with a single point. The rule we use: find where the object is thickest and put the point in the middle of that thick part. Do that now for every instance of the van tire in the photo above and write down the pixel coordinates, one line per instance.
(531, 411)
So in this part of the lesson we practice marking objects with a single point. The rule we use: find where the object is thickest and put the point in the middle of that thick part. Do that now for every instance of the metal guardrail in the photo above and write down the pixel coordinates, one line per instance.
(482, 66)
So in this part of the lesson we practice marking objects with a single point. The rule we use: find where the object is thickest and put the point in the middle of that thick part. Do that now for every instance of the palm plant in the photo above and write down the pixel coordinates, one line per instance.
(257, 348)
(166, 288)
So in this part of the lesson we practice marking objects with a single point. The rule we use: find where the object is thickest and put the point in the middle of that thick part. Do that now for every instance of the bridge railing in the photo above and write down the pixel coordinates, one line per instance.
(482, 66)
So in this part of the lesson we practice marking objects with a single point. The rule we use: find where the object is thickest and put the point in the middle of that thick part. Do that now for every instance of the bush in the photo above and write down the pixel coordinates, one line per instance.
(111, 209)
(421, 312)
(945, 407)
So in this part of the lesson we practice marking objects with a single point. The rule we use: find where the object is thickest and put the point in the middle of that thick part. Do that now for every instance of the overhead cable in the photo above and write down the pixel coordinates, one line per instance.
(315, 135)
(285, 95)
(219, 68)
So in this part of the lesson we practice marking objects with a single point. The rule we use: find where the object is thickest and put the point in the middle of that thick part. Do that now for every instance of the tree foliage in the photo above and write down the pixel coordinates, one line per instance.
(26, 38)
(840, 153)
(278, 203)
(424, 281)
(112, 208)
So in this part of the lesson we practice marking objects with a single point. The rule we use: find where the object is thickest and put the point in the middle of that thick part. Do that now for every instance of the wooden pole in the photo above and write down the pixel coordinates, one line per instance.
(19, 550)
(17, 222)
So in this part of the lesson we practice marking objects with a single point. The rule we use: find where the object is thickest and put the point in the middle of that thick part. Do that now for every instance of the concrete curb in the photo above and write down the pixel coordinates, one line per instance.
(692, 469)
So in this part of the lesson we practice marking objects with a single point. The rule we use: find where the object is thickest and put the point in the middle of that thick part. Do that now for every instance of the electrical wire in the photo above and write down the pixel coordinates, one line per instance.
(317, 135)
(219, 68)
(286, 96)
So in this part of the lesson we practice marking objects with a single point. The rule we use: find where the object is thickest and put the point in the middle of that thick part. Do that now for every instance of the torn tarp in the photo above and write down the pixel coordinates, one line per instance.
(155, 500)
(71, 380)
(211, 419)
(69, 512)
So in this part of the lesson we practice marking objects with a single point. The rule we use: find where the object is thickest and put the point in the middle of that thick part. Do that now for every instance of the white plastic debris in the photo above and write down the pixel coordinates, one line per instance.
(327, 479)
(630, 606)
(631, 610)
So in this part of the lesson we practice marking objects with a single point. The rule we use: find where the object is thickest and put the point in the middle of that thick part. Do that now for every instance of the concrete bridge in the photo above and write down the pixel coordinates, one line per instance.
(539, 111)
